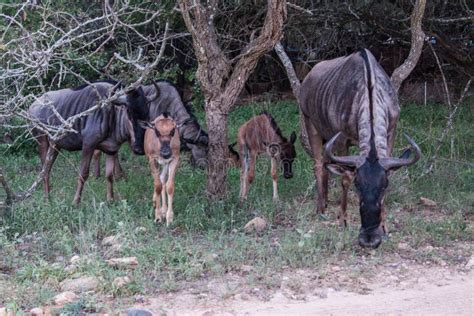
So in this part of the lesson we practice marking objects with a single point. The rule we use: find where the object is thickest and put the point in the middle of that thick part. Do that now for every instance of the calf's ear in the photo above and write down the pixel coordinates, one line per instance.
(145, 124)
(293, 137)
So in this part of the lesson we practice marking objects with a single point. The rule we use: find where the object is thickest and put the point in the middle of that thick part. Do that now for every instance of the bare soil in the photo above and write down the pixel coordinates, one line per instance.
(396, 289)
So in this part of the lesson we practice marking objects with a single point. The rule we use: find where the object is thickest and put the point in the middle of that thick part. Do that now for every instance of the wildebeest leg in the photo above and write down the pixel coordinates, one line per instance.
(44, 146)
(170, 190)
(96, 162)
(244, 172)
(275, 179)
(346, 181)
(109, 174)
(83, 172)
(316, 144)
(118, 171)
(163, 179)
(157, 187)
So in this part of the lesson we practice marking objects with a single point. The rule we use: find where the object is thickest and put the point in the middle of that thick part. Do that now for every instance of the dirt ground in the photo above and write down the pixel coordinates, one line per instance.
(395, 289)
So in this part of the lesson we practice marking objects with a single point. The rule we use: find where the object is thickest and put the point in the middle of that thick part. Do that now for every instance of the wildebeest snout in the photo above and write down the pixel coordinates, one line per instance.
(370, 239)
(165, 150)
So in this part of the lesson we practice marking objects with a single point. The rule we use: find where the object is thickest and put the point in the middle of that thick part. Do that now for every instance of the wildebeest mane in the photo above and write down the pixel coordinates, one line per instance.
(274, 125)
(111, 81)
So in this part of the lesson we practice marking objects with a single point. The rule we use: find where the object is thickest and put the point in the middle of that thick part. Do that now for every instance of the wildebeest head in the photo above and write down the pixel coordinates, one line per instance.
(137, 110)
(371, 181)
(165, 128)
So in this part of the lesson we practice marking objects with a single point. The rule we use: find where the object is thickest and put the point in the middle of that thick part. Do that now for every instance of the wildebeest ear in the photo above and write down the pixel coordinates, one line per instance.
(293, 137)
(338, 169)
(145, 124)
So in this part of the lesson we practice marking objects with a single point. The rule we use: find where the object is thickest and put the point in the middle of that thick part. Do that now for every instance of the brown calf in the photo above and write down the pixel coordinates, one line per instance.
(162, 146)
(261, 135)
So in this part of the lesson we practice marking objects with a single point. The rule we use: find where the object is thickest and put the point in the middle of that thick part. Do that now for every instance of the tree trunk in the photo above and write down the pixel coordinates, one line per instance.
(417, 41)
(216, 121)
(295, 87)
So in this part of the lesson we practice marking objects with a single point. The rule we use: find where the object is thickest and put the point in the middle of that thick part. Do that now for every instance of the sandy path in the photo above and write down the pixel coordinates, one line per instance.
(434, 295)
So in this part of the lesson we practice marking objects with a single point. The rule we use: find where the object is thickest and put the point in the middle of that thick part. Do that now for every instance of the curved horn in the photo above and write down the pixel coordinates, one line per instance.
(353, 161)
(395, 163)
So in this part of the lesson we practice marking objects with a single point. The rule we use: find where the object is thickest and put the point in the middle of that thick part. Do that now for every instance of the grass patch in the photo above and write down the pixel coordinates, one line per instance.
(38, 237)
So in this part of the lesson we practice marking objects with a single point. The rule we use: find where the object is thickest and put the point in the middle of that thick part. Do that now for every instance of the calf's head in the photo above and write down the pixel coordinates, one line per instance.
(371, 181)
(165, 129)
(288, 155)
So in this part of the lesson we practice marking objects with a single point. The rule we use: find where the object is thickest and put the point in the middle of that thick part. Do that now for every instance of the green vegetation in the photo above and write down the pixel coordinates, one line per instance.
(38, 237)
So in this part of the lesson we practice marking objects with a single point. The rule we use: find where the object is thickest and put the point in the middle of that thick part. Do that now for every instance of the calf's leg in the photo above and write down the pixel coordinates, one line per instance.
(170, 190)
(157, 188)
(274, 179)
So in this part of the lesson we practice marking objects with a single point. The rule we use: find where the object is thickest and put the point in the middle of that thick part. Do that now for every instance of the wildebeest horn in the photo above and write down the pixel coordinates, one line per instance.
(353, 161)
(155, 95)
(404, 160)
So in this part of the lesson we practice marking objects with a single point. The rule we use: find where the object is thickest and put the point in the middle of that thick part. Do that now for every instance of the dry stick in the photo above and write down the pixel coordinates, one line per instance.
(452, 113)
(295, 87)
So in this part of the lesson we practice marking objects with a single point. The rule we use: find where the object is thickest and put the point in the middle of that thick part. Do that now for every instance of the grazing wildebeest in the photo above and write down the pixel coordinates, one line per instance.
(105, 128)
(162, 146)
(168, 99)
(350, 101)
(260, 135)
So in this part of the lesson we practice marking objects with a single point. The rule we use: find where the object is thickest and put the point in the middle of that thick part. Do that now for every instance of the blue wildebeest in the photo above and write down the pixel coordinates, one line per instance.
(350, 101)
(165, 97)
(105, 128)
(259, 135)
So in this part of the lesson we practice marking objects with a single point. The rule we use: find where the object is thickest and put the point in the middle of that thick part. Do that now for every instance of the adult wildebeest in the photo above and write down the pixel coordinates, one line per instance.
(105, 128)
(168, 99)
(261, 135)
(350, 101)
(162, 147)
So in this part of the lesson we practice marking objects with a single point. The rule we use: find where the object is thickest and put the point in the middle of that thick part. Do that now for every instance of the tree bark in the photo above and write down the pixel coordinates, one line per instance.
(222, 80)
(295, 87)
(417, 41)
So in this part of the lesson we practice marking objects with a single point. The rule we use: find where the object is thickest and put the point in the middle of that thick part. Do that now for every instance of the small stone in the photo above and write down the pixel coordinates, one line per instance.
(257, 224)
(211, 257)
(244, 297)
(429, 248)
(403, 246)
(336, 269)
(110, 240)
(140, 229)
(65, 298)
(427, 202)
(127, 262)
(38, 311)
(120, 282)
(323, 293)
(75, 259)
(246, 268)
(82, 284)
(138, 312)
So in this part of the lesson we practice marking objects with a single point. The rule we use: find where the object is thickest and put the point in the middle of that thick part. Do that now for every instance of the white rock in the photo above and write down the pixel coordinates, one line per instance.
(120, 282)
(127, 262)
(257, 224)
(82, 284)
(110, 240)
(65, 298)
